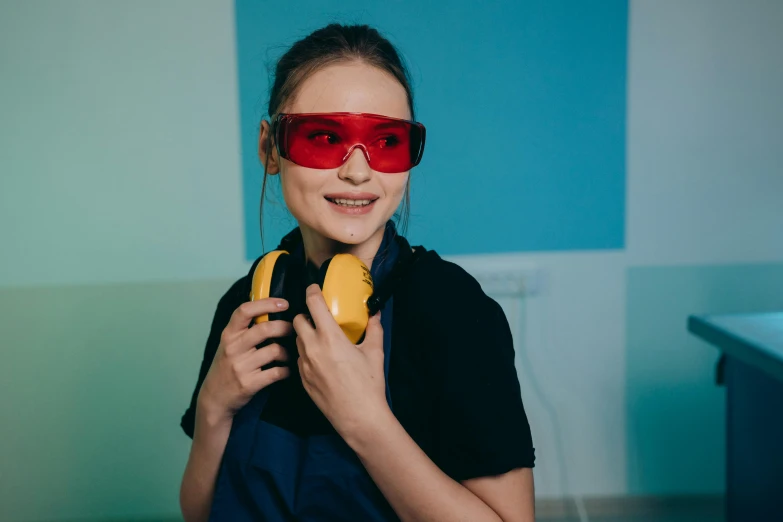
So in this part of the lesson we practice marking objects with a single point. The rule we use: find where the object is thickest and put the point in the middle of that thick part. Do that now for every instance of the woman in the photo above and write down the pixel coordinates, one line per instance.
(423, 419)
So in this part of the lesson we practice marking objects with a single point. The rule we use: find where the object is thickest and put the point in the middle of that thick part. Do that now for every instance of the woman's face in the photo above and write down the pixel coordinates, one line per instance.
(310, 194)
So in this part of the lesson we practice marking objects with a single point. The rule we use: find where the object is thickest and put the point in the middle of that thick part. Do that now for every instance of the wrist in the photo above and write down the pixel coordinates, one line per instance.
(210, 414)
(369, 428)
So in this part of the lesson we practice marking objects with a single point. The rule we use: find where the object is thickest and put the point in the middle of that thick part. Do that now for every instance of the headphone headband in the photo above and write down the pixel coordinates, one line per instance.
(291, 240)
(402, 267)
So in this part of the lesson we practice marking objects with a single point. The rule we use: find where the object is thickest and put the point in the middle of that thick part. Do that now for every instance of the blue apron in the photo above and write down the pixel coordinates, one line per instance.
(273, 475)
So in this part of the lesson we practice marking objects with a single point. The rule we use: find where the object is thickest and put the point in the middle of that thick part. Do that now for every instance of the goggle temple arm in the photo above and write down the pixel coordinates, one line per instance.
(274, 134)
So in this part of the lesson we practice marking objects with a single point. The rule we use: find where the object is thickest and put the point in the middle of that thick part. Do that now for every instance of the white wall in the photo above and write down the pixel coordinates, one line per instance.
(705, 127)
(570, 343)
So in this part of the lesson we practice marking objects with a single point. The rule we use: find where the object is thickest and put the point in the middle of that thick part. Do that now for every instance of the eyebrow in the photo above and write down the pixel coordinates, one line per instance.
(329, 122)
(389, 124)
(324, 121)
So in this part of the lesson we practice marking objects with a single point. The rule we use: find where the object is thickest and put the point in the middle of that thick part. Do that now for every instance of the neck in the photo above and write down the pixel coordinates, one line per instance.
(318, 248)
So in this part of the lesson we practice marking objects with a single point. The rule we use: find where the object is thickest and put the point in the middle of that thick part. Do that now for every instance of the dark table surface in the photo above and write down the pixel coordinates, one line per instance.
(755, 339)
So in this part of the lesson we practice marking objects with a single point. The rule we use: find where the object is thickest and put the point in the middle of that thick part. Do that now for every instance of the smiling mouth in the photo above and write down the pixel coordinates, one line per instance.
(350, 203)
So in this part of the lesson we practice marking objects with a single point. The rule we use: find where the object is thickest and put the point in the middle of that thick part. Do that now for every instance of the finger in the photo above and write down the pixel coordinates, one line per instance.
(302, 372)
(259, 333)
(303, 327)
(320, 313)
(246, 312)
(373, 335)
(300, 347)
(260, 379)
(266, 355)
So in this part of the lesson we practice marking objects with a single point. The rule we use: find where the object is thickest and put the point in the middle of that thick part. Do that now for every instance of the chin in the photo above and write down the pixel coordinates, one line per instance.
(352, 234)
(353, 231)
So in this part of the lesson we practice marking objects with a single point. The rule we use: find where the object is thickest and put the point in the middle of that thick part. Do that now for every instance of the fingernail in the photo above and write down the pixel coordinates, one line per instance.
(282, 304)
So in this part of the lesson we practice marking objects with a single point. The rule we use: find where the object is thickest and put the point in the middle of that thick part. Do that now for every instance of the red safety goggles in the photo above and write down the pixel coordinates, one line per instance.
(326, 140)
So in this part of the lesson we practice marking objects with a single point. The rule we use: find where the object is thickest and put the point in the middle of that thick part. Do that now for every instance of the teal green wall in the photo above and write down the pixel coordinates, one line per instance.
(675, 412)
(94, 381)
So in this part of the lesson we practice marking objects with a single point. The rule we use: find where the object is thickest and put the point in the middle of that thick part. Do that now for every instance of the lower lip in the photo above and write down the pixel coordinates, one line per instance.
(352, 211)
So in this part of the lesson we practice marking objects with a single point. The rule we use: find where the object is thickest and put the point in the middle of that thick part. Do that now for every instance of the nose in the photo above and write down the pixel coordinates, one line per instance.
(356, 169)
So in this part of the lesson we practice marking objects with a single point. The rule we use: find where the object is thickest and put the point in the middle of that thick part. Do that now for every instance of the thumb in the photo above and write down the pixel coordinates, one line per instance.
(373, 336)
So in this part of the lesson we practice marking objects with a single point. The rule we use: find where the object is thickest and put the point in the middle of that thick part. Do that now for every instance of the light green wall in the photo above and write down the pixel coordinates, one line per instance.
(119, 148)
(120, 220)
(94, 381)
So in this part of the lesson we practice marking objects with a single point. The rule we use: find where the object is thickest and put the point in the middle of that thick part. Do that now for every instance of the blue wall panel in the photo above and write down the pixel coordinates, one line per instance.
(524, 103)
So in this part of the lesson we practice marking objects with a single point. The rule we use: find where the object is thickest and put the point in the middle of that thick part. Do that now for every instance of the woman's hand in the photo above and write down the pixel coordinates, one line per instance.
(236, 374)
(344, 380)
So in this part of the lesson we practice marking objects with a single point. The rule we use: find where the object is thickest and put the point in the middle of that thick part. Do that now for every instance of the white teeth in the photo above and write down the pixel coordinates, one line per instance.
(352, 202)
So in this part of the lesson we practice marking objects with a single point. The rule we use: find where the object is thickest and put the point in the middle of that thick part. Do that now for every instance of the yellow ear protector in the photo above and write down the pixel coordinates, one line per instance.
(344, 279)
(345, 282)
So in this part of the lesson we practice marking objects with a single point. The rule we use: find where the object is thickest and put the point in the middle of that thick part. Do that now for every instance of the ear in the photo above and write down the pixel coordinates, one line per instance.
(267, 151)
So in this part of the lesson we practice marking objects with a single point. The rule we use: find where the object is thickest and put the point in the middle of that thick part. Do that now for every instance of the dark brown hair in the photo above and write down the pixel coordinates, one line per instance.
(330, 45)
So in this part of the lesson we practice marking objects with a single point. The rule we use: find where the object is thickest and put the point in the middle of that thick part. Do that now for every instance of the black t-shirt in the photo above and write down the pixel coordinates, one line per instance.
(453, 383)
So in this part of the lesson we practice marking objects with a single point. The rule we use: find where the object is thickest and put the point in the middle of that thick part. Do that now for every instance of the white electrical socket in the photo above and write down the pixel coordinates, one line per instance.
(523, 281)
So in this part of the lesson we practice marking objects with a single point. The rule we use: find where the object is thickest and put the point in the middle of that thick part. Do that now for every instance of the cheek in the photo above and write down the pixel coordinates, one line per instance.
(294, 183)
(300, 185)
(394, 185)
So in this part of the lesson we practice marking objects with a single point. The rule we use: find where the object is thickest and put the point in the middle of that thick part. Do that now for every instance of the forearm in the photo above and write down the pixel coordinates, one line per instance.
(414, 486)
(198, 482)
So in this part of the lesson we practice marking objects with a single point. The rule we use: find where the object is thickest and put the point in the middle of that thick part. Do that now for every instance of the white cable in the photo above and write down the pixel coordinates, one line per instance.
(580, 508)
(550, 410)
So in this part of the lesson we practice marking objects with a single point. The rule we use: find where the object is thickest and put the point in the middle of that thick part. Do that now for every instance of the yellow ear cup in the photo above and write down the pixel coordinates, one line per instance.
(346, 288)
(262, 279)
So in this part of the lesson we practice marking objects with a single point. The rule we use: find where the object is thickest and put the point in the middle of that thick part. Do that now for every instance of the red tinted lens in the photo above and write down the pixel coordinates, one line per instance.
(325, 141)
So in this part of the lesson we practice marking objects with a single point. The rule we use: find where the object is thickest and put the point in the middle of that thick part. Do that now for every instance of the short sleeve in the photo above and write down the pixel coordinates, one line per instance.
(225, 308)
(483, 428)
